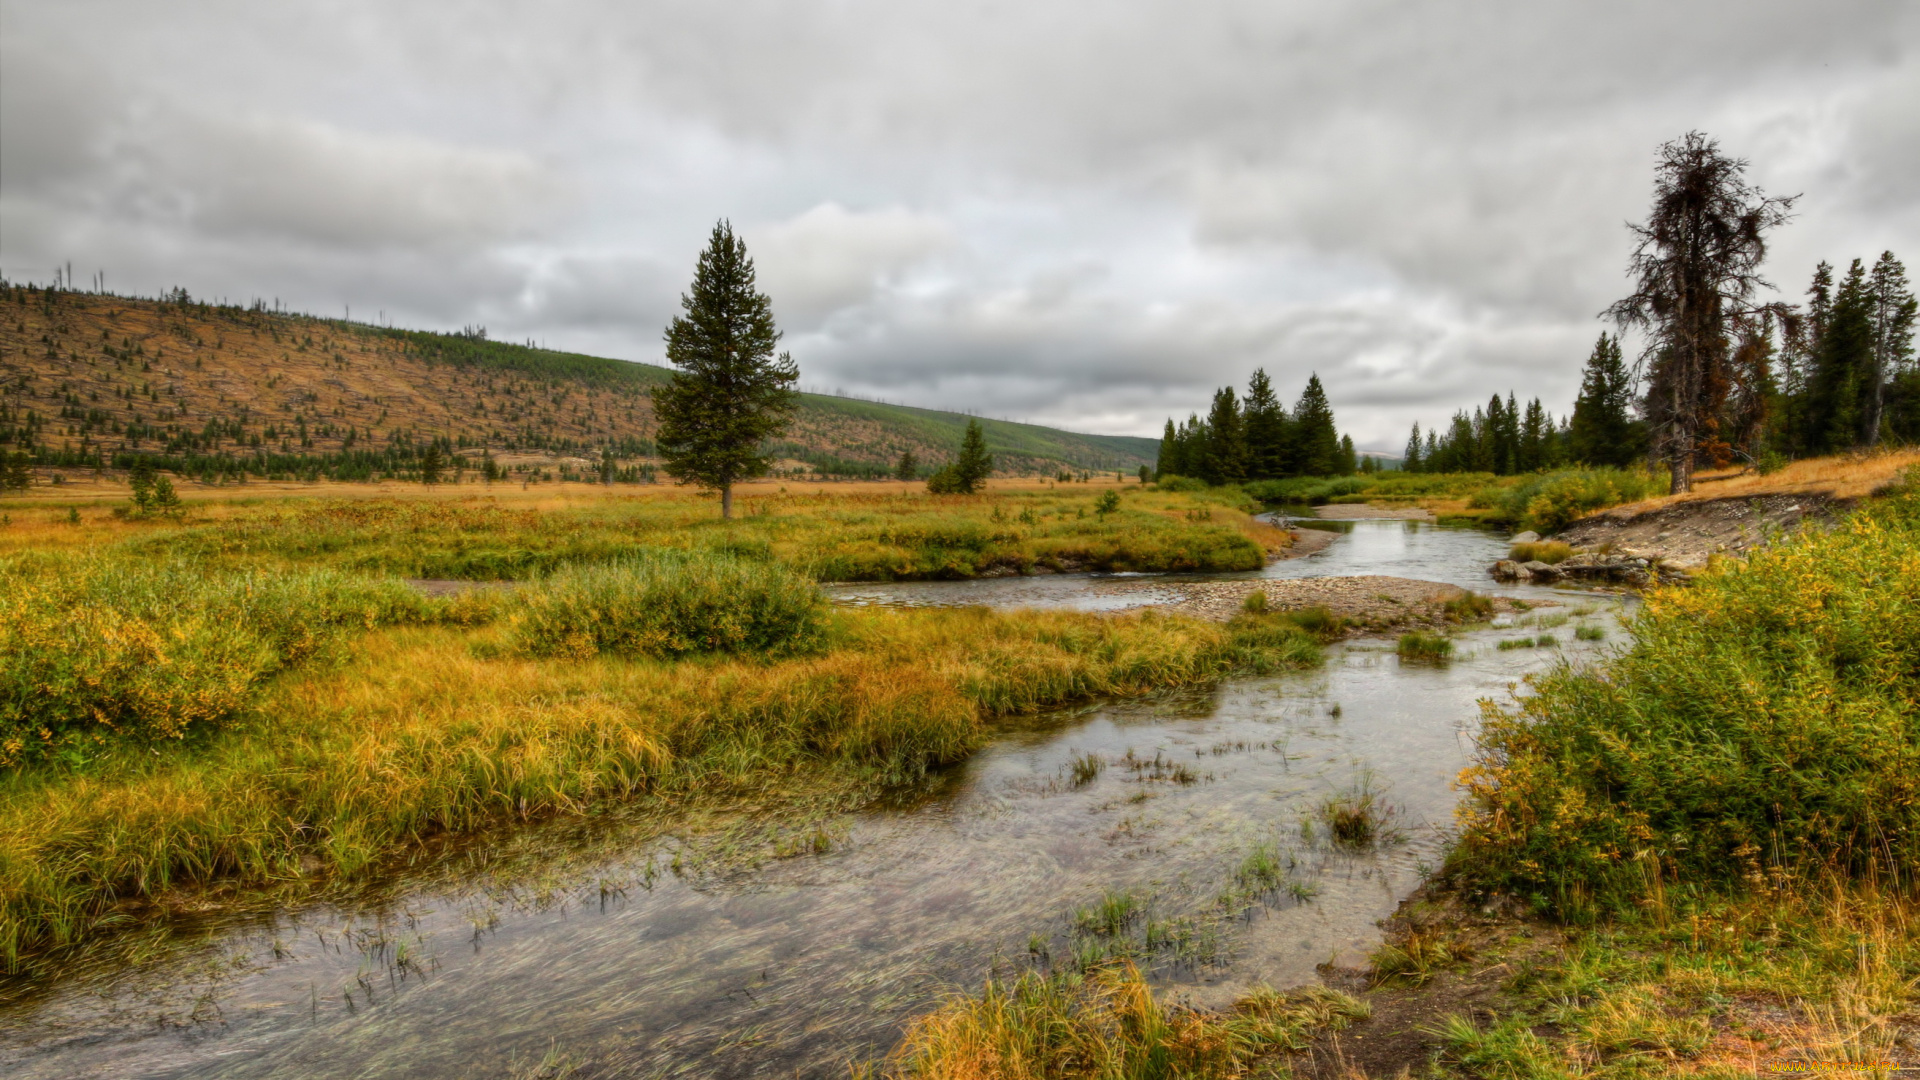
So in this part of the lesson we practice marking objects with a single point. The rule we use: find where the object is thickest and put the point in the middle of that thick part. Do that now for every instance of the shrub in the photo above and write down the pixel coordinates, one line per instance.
(672, 603)
(1550, 501)
(945, 481)
(1762, 721)
(96, 647)
(1171, 482)
(1308, 489)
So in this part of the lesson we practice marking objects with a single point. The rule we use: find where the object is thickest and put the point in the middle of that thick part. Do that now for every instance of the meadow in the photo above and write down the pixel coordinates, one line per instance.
(828, 532)
(250, 695)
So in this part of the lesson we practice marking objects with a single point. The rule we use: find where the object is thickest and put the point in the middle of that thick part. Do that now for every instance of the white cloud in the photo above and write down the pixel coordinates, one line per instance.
(830, 258)
(1091, 214)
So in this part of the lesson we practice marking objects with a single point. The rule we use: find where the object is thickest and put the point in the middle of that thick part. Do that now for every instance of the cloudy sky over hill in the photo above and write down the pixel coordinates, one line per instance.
(1084, 214)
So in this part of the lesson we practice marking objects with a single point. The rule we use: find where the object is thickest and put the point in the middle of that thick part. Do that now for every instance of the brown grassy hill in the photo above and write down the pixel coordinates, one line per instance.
(87, 379)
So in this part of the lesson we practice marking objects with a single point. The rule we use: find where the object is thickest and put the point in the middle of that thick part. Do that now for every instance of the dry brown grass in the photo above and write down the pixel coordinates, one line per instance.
(1846, 476)
(140, 361)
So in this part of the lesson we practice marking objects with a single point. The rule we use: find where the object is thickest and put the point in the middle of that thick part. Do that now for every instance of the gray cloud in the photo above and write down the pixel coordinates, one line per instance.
(1087, 215)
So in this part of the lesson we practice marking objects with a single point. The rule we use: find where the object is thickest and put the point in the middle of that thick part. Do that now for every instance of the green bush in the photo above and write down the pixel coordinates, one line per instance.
(1171, 482)
(100, 646)
(1550, 501)
(672, 603)
(1764, 720)
(1308, 489)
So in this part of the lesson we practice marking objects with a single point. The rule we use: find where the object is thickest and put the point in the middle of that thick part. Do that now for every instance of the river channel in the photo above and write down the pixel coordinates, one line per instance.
(646, 961)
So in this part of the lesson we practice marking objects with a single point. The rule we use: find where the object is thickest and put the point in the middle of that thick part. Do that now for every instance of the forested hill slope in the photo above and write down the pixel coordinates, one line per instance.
(213, 388)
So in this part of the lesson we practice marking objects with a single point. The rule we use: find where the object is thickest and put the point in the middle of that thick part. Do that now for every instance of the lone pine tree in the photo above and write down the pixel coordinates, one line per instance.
(729, 394)
(968, 471)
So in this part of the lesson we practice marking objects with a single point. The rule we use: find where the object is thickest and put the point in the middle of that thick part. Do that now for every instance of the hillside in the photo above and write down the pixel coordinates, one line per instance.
(214, 389)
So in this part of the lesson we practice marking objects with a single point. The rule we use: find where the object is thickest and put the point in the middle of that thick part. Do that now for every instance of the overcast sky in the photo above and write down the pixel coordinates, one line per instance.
(1083, 214)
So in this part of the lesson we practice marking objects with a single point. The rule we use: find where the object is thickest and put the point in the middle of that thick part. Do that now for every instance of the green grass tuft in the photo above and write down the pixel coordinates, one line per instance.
(1418, 646)
(669, 603)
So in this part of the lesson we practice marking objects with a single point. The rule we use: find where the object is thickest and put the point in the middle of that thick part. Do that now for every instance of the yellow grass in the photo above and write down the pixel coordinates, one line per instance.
(1845, 476)
(430, 730)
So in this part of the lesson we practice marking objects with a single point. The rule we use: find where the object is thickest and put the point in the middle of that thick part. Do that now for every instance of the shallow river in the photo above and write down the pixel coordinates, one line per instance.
(662, 958)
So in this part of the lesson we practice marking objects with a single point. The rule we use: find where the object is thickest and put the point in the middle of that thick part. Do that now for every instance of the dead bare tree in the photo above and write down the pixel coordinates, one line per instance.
(1695, 268)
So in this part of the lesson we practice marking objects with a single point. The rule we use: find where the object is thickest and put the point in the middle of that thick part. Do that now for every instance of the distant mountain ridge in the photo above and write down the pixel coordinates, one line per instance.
(86, 379)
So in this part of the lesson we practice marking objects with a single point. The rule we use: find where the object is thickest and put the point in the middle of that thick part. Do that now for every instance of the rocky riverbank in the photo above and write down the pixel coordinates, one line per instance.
(1370, 604)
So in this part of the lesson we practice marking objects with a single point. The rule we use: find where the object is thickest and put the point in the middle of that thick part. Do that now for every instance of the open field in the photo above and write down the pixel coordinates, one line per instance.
(831, 532)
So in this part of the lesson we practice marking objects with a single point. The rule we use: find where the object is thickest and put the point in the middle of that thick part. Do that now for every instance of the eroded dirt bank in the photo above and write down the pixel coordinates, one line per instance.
(1685, 535)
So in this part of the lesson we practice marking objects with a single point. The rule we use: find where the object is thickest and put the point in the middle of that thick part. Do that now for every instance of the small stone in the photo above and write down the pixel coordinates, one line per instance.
(1508, 570)
(1528, 537)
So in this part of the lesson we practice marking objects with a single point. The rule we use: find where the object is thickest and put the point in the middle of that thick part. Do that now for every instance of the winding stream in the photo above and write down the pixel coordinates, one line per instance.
(648, 962)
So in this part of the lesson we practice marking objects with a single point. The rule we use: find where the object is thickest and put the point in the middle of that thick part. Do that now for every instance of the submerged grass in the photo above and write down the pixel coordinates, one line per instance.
(430, 730)
(1420, 647)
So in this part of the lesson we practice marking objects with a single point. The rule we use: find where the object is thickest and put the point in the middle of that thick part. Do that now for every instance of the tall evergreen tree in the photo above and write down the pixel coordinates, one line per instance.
(1349, 458)
(1169, 463)
(1266, 429)
(1842, 366)
(1535, 430)
(729, 394)
(1695, 267)
(1226, 461)
(432, 463)
(1410, 458)
(1751, 401)
(1893, 311)
(1601, 430)
(1316, 442)
(974, 464)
